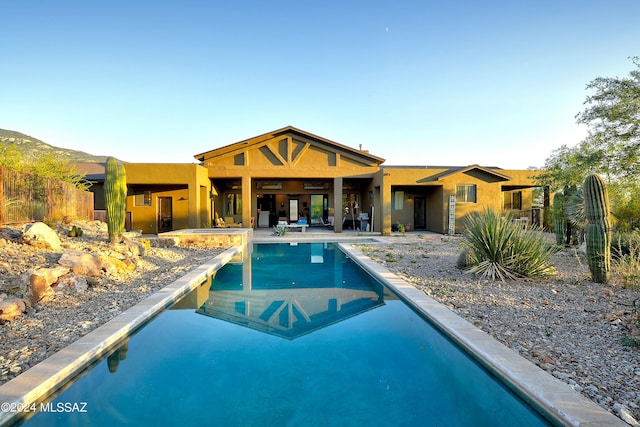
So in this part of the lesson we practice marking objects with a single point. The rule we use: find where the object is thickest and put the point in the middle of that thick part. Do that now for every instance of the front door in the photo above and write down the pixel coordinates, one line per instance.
(165, 216)
(419, 213)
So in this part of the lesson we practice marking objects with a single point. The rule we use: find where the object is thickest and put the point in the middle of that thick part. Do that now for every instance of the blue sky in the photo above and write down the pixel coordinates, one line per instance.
(496, 83)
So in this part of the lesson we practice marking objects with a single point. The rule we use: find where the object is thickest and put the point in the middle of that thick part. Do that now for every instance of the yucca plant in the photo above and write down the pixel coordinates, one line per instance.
(498, 248)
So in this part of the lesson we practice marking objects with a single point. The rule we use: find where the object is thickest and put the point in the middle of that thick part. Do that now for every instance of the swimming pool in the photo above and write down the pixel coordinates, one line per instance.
(298, 334)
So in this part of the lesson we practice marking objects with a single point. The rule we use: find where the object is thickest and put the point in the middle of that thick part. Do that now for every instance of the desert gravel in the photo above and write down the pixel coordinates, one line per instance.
(567, 325)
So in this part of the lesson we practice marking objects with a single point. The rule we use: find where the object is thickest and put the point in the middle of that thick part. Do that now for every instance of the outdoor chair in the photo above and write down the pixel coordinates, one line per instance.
(328, 224)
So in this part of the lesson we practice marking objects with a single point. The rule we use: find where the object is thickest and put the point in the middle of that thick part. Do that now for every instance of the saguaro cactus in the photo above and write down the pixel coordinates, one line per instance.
(115, 197)
(559, 218)
(596, 204)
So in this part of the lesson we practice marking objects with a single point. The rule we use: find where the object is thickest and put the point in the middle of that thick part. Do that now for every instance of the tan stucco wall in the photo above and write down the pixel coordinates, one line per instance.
(190, 205)
(423, 181)
(296, 160)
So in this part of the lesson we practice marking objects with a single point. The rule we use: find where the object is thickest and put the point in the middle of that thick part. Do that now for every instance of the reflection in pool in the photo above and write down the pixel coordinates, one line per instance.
(296, 335)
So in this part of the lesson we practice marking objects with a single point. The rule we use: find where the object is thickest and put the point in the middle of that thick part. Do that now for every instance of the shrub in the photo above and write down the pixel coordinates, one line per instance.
(622, 243)
(280, 230)
(625, 249)
(498, 248)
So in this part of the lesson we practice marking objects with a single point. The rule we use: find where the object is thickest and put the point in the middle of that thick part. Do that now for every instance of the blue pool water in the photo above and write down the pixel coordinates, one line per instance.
(296, 336)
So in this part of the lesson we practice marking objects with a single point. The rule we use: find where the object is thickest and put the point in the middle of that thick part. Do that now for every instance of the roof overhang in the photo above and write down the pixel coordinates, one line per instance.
(259, 140)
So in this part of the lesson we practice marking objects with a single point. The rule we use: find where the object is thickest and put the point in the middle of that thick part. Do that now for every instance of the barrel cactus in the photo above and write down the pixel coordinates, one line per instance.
(596, 204)
(559, 218)
(115, 197)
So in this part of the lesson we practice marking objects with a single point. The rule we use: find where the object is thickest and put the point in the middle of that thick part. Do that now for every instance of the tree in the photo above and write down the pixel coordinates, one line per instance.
(45, 165)
(613, 116)
(612, 146)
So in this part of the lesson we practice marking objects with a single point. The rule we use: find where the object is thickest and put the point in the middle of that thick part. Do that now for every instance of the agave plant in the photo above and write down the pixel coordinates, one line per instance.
(498, 248)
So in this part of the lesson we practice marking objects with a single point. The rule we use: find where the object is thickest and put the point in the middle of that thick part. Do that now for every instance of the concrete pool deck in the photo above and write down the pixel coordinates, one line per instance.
(550, 396)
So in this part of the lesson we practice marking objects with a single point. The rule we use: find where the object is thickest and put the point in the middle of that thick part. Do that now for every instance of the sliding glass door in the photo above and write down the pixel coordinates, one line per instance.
(319, 208)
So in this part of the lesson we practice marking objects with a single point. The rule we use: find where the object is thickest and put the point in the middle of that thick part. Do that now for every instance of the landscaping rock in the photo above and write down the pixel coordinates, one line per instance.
(81, 263)
(40, 282)
(50, 274)
(11, 308)
(42, 236)
(72, 283)
(116, 265)
(626, 416)
(166, 242)
(135, 248)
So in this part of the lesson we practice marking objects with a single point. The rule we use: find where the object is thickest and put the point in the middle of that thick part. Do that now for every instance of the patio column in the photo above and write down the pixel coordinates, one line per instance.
(337, 205)
(247, 201)
(385, 212)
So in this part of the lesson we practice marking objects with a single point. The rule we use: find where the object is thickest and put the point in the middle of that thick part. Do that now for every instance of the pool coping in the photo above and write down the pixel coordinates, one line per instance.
(553, 398)
(556, 400)
(43, 379)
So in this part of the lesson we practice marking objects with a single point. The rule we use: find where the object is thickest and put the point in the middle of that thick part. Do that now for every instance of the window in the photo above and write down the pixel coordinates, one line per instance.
(513, 200)
(466, 193)
(517, 200)
(143, 199)
(397, 203)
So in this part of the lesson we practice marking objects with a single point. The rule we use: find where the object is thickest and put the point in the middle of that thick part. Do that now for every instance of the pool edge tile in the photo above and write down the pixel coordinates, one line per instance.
(45, 377)
(540, 389)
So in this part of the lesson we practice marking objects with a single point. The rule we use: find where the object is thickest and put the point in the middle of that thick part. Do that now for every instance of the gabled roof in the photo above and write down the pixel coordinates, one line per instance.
(289, 313)
(464, 169)
(260, 139)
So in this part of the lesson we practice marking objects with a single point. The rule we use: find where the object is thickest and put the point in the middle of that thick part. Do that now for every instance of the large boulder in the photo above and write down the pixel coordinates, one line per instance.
(42, 236)
(81, 263)
(40, 282)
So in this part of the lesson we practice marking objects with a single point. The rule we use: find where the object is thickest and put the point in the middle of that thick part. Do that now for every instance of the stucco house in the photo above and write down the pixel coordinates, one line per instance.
(293, 175)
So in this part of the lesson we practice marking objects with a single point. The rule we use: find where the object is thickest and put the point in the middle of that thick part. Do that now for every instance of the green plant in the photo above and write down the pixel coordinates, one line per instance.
(623, 243)
(625, 264)
(115, 195)
(280, 230)
(633, 338)
(75, 232)
(146, 243)
(629, 341)
(497, 248)
(559, 218)
(596, 202)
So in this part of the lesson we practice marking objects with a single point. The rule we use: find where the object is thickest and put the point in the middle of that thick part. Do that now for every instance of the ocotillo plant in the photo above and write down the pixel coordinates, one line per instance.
(596, 204)
(559, 218)
(115, 197)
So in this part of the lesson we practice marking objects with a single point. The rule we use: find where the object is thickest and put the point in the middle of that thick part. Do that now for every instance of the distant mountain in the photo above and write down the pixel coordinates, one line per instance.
(33, 147)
